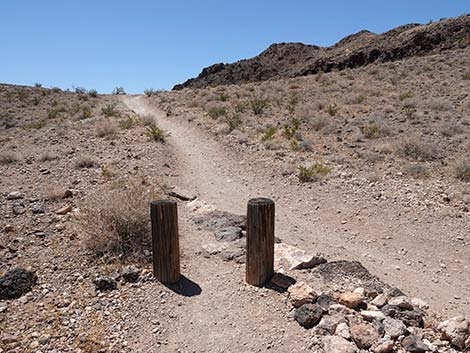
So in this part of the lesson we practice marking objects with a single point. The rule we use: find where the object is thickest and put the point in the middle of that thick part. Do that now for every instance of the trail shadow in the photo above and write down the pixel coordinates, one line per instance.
(185, 287)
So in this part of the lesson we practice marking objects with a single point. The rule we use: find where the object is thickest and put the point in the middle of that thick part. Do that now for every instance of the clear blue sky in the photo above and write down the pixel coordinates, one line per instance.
(140, 44)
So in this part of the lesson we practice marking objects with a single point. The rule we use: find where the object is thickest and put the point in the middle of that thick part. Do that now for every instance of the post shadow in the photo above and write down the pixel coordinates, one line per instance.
(185, 287)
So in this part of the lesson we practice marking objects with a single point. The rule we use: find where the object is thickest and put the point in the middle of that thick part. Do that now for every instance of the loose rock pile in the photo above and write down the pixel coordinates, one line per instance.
(361, 320)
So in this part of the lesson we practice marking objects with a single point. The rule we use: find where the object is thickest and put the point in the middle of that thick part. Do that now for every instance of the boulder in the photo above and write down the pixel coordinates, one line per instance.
(455, 330)
(363, 334)
(393, 327)
(105, 283)
(287, 257)
(337, 344)
(350, 299)
(301, 293)
(16, 282)
(308, 315)
(414, 344)
(228, 234)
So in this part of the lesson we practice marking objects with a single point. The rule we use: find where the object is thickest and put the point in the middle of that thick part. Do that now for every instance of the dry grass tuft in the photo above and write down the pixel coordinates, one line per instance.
(117, 222)
(8, 157)
(417, 150)
(462, 170)
(85, 161)
(106, 128)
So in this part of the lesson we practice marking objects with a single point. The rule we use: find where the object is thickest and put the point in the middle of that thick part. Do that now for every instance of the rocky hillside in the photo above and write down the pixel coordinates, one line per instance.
(286, 60)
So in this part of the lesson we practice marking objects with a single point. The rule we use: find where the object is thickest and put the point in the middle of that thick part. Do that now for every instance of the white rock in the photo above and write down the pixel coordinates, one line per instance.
(342, 330)
(337, 344)
(287, 257)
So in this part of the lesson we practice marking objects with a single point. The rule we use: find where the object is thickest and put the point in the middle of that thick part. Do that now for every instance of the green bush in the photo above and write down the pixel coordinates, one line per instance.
(119, 90)
(155, 133)
(93, 93)
(289, 130)
(258, 105)
(109, 110)
(314, 172)
(269, 134)
(370, 131)
(233, 121)
(216, 112)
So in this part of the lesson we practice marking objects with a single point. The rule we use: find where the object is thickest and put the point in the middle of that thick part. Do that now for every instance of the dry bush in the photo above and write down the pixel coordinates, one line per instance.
(117, 222)
(85, 161)
(417, 150)
(147, 119)
(53, 192)
(462, 170)
(450, 129)
(417, 171)
(48, 156)
(106, 128)
(8, 157)
(439, 104)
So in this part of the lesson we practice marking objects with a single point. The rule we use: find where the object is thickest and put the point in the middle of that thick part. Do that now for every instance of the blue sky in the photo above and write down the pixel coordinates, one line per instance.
(142, 44)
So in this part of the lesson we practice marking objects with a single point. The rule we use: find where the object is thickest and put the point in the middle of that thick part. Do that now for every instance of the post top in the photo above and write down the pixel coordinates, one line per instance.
(162, 202)
(260, 201)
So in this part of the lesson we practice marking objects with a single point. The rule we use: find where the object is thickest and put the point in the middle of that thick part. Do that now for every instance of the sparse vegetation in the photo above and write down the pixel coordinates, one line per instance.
(119, 90)
(269, 134)
(85, 161)
(155, 133)
(117, 223)
(462, 170)
(109, 110)
(417, 150)
(289, 130)
(93, 93)
(149, 92)
(370, 131)
(313, 172)
(258, 105)
(8, 157)
(217, 111)
(332, 109)
(234, 121)
(106, 128)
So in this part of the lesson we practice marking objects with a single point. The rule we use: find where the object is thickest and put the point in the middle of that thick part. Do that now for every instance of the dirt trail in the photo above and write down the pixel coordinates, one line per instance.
(412, 258)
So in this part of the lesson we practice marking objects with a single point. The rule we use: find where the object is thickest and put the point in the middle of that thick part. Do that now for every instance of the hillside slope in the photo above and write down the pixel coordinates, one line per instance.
(287, 60)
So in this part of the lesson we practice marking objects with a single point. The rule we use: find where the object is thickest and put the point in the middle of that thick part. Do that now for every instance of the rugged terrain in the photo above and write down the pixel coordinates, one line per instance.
(286, 60)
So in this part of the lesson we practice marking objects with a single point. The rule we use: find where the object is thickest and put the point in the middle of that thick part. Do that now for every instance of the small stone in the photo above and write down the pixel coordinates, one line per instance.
(393, 328)
(403, 302)
(67, 193)
(8, 339)
(16, 282)
(337, 344)
(228, 234)
(181, 194)
(414, 344)
(325, 301)
(455, 330)
(131, 274)
(350, 299)
(282, 281)
(45, 339)
(308, 315)
(363, 334)
(301, 293)
(339, 309)
(380, 300)
(371, 315)
(383, 346)
(394, 292)
(34, 344)
(419, 303)
(38, 208)
(64, 210)
(342, 330)
(328, 324)
(104, 283)
(14, 195)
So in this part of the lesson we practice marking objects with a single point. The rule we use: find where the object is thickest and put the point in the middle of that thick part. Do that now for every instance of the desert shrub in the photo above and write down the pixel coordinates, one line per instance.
(147, 119)
(405, 95)
(155, 133)
(462, 170)
(7, 121)
(370, 131)
(56, 89)
(332, 109)
(38, 85)
(39, 124)
(416, 149)
(289, 130)
(80, 90)
(292, 102)
(223, 96)
(8, 157)
(109, 110)
(56, 111)
(313, 172)
(258, 105)
(240, 107)
(48, 156)
(93, 93)
(117, 222)
(450, 129)
(106, 128)
(85, 112)
(466, 76)
(233, 121)
(409, 112)
(356, 99)
(318, 122)
(119, 90)
(85, 161)
(269, 134)
(149, 92)
(439, 104)
(128, 123)
(217, 111)
(36, 100)
(303, 145)
(417, 170)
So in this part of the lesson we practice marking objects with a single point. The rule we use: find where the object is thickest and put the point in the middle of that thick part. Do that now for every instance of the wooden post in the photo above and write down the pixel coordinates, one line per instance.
(260, 241)
(165, 241)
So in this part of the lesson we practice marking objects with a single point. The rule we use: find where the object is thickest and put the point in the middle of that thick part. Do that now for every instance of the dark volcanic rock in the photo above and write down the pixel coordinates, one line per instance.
(16, 282)
(296, 59)
(308, 315)
(228, 234)
(104, 283)
(414, 344)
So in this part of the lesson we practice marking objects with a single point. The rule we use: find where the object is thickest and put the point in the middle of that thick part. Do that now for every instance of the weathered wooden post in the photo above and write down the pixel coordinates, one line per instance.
(260, 241)
(165, 241)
